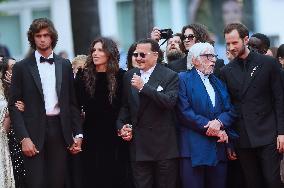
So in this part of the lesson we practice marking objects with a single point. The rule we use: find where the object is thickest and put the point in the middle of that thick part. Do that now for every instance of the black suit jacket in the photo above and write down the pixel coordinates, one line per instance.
(26, 86)
(180, 65)
(151, 113)
(258, 99)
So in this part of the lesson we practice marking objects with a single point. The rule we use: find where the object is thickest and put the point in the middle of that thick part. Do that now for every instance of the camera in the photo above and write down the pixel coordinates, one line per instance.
(166, 33)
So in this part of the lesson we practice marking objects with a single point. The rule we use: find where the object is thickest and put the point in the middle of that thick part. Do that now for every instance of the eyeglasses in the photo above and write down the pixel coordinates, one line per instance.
(190, 37)
(210, 57)
(142, 54)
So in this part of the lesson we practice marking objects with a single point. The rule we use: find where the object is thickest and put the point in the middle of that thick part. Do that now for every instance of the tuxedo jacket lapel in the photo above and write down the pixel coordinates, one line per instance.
(58, 74)
(35, 74)
(236, 71)
(153, 82)
(134, 91)
(250, 76)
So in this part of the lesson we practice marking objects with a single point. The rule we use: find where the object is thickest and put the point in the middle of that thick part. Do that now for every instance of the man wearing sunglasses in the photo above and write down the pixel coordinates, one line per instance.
(204, 118)
(150, 95)
(192, 34)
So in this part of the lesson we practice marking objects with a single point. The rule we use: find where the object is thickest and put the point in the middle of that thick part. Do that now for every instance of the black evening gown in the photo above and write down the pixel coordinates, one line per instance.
(105, 156)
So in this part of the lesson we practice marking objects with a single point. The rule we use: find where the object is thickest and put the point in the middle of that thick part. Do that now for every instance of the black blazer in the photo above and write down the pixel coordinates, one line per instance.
(26, 86)
(151, 113)
(258, 99)
(180, 65)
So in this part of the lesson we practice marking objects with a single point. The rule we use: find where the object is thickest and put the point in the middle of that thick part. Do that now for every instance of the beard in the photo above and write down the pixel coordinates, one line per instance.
(174, 55)
(43, 48)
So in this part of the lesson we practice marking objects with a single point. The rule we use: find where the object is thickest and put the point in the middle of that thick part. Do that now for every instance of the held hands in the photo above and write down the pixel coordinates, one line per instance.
(137, 82)
(280, 143)
(223, 137)
(125, 132)
(76, 146)
(28, 147)
(20, 105)
(8, 77)
(214, 126)
(231, 154)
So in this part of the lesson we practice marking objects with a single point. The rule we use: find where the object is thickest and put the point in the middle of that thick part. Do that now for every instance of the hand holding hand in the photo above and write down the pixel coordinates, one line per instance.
(28, 147)
(8, 77)
(231, 154)
(214, 127)
(223, 137)
(126, 132)
(20, 106)
(137, 82)
(76, 146)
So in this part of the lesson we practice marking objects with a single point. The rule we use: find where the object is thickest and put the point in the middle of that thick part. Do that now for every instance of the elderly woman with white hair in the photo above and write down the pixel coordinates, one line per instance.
(205, 115)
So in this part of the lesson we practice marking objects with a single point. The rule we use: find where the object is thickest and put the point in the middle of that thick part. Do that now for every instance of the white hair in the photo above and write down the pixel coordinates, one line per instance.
(196, 50)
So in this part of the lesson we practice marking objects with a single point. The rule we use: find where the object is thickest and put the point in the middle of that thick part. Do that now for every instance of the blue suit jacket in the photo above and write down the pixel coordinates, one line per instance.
(194, 111)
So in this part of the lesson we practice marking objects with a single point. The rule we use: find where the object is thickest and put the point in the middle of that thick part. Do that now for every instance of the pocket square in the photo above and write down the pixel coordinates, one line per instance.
(159, 88)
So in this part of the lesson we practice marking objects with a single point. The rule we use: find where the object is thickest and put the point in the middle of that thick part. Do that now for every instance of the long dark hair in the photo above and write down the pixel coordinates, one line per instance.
(111, 50)
(4, 65)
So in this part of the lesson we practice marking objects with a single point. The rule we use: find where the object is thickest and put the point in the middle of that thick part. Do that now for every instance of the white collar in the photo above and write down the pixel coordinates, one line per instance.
(38, 55)
(148, 71)
(202, 75)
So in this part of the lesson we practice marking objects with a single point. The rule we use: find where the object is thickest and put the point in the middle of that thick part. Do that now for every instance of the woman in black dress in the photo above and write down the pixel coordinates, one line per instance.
(98, 88)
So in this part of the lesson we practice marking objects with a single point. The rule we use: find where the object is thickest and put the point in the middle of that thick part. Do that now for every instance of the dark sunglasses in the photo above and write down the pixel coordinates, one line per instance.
(141, 54)
(189, 37)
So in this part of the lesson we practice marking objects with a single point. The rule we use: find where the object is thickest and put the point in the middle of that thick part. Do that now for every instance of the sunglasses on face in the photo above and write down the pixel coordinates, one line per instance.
(210, 57)
(141, 54)
(189, 37)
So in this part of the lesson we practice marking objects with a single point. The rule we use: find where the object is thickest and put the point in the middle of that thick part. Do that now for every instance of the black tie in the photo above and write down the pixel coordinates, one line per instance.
(49, 60)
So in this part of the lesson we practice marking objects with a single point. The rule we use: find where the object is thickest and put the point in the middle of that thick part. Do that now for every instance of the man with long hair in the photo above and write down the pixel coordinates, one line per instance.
(44, 82)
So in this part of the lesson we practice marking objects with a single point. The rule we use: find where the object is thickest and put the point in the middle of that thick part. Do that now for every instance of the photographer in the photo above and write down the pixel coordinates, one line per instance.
(174, 47)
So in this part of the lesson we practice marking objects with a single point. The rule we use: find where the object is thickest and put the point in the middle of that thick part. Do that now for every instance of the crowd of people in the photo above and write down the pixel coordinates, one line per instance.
(183, 121)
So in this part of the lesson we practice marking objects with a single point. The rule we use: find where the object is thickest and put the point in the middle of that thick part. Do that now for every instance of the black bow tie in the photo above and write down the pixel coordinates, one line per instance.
(49, 60)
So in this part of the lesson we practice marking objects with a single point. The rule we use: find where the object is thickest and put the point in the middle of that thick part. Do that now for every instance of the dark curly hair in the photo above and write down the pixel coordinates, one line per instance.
(200, 32)
(4, 65)
(39, 24)
(111, 50)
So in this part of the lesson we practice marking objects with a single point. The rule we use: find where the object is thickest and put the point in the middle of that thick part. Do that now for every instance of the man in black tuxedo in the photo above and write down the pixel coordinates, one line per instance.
(192, 34)
(150, 95)
(44, 82)
(254, 83)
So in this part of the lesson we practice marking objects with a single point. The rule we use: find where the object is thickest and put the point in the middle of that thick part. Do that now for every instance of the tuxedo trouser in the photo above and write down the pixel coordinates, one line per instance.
(202, 176)
(158, 174)
(235, 175)
(261, 166)
(47, 169)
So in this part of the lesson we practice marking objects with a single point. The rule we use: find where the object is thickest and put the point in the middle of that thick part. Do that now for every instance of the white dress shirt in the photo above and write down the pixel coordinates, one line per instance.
(48, 82)
(145, 75)
(209, 88)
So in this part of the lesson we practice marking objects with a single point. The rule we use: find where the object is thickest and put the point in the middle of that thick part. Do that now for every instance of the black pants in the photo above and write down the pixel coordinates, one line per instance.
(261, 166)
(158, 174)
(47, 169)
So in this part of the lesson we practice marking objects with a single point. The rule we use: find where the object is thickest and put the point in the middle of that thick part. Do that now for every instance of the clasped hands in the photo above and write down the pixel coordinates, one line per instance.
(30, 150)
(125, 132)
(214, 129)
(76, 146)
